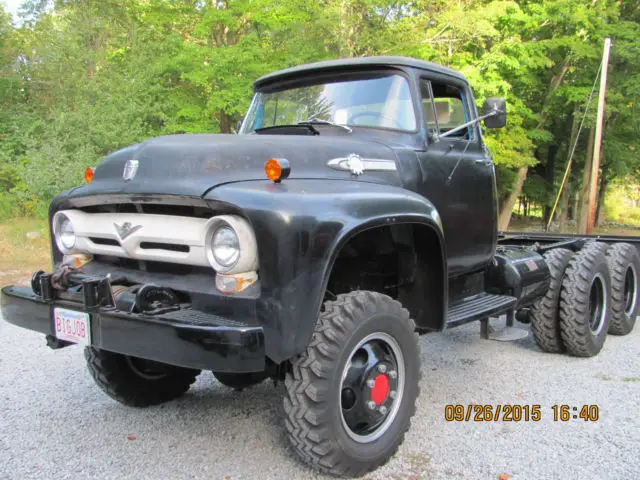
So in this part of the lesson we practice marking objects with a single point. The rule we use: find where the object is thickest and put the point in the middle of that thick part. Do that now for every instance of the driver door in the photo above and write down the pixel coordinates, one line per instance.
(460, 176)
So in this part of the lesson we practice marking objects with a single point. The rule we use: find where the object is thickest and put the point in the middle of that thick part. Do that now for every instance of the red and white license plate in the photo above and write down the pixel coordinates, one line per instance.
(72, 326)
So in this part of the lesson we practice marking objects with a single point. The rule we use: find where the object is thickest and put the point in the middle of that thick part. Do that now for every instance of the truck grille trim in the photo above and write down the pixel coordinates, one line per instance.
(142, 236)
(172, 247)
(105, 241)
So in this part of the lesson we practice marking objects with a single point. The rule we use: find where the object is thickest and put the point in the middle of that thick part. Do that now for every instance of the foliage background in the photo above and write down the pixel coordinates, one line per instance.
(82, 78)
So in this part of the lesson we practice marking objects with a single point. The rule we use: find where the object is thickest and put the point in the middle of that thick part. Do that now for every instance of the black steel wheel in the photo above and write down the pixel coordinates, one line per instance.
(585, 302)
(624, 266)
(544, 315)
(240, 381)
(135, 381)
(351, 395)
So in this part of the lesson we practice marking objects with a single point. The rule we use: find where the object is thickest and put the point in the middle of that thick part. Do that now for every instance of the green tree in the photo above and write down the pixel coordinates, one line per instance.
(81, 78)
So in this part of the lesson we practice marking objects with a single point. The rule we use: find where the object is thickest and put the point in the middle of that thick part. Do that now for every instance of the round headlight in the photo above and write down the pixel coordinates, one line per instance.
(231, 245)
(65, 236)
(225, 247)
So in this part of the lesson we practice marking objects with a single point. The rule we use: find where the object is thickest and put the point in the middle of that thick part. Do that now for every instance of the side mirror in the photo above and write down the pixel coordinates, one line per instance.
(495, 104)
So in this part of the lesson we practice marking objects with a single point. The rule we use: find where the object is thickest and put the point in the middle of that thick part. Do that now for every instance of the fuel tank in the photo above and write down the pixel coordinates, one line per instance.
(518, 272)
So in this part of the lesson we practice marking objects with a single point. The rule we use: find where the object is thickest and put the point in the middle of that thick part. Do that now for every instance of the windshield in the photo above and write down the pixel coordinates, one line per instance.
(380, 101)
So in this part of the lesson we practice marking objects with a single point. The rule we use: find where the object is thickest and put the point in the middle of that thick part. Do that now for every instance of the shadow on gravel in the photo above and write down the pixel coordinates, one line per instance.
(210, 409)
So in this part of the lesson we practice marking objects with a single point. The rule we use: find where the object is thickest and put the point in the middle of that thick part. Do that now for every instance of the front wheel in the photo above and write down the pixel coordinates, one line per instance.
(351, 395)
(240, 381)
(135, 381)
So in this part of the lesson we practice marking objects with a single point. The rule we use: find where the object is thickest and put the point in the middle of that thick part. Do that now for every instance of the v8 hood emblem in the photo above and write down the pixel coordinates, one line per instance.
(126, 229)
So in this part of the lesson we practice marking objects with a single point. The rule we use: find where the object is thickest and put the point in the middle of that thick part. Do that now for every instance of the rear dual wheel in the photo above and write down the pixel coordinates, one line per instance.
(591, 293)
(545, 324)
(350, 396)
(585, 302)
(624, 266)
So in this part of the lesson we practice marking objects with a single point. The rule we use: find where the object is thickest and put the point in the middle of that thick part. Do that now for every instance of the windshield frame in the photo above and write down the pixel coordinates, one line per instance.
(324, 77)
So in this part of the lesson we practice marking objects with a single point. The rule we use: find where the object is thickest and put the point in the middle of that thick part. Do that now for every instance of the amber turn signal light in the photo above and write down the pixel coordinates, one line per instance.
(88, 174)
(277, 169)
(235, 283)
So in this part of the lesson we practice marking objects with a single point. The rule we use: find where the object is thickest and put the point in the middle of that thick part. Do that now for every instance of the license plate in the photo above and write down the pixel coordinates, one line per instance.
(72, 326)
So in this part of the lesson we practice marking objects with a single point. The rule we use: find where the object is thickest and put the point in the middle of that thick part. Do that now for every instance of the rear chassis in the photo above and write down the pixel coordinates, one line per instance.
(545, 239)
(175, 334)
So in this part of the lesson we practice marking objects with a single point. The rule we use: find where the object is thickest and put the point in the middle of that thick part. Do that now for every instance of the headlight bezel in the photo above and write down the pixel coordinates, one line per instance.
(60, 220)
(247, 259)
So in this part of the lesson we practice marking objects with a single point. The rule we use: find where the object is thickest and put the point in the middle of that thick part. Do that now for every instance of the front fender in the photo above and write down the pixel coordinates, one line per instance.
(300, 226)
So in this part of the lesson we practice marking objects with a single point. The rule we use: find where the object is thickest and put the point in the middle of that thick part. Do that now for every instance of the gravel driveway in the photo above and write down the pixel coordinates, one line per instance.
(55, 423)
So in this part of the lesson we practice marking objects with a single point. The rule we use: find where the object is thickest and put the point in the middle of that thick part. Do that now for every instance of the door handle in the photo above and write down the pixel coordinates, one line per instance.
(484, 161)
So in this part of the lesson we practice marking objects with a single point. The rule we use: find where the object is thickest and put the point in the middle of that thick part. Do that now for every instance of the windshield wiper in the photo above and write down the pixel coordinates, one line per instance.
(312, 121)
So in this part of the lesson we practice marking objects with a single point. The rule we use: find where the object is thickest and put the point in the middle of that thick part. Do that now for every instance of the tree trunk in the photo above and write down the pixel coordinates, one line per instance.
(563, 203)
(564, 208)
(584, 207)
(549, 175)
(506, 209)
(602, 193)
(507, 206)
(575, 210)
(226, 122)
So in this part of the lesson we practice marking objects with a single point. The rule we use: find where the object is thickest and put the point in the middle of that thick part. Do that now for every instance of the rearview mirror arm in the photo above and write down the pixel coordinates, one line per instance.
(465, 125)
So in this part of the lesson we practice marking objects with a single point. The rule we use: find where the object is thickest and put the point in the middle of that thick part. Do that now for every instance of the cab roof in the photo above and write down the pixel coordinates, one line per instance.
(359, 62)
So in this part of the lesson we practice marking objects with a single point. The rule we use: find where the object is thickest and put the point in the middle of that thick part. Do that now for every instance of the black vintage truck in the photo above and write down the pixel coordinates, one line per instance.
(354, 210)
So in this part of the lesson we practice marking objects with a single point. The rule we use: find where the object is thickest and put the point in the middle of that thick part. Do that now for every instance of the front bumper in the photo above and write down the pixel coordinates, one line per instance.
(186, 338)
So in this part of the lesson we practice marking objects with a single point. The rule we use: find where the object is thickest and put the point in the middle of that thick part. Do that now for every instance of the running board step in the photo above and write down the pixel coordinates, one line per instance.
(478, 307)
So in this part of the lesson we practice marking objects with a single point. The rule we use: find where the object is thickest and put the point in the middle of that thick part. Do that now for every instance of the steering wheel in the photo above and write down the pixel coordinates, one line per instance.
(373, 114)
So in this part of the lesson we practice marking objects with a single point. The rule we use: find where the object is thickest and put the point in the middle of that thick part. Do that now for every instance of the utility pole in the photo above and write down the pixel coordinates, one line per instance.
(595, 166)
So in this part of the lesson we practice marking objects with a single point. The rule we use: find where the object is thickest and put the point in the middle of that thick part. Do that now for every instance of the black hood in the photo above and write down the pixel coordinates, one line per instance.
(193, 164)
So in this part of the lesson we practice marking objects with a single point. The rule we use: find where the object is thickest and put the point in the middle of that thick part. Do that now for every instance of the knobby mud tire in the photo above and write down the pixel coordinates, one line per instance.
(114, 374)
(312, 402)
(545, 322)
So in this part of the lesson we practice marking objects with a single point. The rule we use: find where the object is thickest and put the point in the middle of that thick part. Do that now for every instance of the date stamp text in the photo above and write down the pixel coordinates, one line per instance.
(519, 413)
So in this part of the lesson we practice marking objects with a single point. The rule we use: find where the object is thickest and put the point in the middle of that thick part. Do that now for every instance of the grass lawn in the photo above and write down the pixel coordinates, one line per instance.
(537, 225)
(20, 255)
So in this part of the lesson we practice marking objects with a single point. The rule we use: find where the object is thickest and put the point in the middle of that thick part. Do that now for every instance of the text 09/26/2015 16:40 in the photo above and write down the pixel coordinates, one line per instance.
(519, 413)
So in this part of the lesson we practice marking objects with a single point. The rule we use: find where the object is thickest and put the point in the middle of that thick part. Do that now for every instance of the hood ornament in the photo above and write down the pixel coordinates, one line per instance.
(126, 229)
(354, 163)
(357, 165)
(130, 169)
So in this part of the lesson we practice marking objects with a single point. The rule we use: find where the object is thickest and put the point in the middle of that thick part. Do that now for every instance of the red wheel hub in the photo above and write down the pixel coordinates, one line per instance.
(380, 390)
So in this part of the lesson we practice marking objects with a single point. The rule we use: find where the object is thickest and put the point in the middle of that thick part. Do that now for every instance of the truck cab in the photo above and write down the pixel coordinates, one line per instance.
(406, 105)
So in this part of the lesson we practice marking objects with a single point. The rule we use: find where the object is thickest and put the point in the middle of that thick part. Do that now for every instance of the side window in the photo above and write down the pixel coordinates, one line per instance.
(446, 109)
